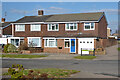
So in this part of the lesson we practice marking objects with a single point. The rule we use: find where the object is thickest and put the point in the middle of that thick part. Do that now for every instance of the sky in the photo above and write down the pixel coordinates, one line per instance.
(15, 10)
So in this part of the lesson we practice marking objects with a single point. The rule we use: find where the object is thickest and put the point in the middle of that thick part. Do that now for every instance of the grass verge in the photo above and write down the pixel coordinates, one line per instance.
(22, 56)
(119, 49)
(85, 57)
(52, 72)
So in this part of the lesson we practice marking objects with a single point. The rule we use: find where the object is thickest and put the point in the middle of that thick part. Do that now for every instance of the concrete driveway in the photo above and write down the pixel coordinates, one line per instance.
(111, 54)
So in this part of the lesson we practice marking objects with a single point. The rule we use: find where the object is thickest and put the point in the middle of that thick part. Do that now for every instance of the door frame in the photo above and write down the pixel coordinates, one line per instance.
(70, 45)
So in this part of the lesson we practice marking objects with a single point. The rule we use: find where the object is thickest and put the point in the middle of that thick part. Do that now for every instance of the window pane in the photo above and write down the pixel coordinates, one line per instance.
(34, 42)
(71, 27)
(16, 42)
(87, 26)
(49, 26)
(67, 44)
(46, 42)
(67, 26)
(75, 26)
(53, 27)
(51, 43)
(92, 25)
(56, 26)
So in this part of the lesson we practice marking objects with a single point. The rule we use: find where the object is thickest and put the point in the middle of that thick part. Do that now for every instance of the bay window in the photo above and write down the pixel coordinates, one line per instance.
(89, 26)
(50, 42)
(34, 41)
(53, 27)
(20, 27)
(71, 26)
(35, 27)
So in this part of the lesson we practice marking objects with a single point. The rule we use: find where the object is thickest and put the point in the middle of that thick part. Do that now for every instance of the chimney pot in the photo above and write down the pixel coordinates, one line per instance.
(40, 12)
(3, 20)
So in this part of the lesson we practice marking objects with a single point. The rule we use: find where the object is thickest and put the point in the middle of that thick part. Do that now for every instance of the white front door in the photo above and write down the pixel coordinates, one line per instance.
(85, 45)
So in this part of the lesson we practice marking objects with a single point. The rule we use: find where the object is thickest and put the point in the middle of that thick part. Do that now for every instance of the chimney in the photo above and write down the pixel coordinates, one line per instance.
(40, 12)
(3, 20)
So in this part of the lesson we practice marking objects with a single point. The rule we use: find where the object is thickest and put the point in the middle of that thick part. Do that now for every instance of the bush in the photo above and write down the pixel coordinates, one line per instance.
(23, 46)
(10, 48)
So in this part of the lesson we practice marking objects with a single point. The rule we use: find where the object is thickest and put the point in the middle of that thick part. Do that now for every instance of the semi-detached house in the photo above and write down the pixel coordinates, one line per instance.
(61, 33)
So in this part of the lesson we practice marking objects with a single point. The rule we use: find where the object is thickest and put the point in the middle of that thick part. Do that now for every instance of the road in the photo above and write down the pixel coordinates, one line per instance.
(104, 67)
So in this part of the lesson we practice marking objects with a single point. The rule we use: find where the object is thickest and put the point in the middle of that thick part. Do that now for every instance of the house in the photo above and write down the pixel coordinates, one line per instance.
(62, 33)
(108, 32)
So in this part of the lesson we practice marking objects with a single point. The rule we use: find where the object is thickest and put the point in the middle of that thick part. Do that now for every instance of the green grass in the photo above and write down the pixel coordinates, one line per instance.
(22, 56)
(54, 72)
(119, 49)
(85, 57)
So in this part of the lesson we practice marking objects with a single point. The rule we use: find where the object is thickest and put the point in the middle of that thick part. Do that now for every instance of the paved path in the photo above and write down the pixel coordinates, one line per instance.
(111, 54)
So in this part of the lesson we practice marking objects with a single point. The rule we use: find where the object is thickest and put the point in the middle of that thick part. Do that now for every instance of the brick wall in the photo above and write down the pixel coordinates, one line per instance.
(60, 43)
(104, 43)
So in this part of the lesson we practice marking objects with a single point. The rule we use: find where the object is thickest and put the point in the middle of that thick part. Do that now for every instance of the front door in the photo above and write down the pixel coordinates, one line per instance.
(72, 47)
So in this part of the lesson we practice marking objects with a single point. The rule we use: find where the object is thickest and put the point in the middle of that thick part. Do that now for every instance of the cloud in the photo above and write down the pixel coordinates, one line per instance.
(19, 11)
(56, 8)
(109, 11)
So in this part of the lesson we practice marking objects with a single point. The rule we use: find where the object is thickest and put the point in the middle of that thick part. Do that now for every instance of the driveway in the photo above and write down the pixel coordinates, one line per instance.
(111, 54)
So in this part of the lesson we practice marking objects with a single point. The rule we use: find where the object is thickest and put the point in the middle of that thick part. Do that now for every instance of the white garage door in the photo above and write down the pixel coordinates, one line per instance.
(85, 44)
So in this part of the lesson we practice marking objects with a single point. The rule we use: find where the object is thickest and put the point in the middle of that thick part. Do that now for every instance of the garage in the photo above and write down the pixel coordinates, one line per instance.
(85, 45)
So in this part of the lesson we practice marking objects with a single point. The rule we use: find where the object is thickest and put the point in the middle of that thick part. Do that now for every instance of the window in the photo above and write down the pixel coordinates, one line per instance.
(89, 26)
(50, 42)
(53, 27)
(67, 43)
(35, 27)
(71, 26)
(20, 27)
(15, 42)
(34, 41)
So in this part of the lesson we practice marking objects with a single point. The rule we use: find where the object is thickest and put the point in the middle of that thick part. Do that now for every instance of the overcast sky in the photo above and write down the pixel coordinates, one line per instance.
(17, 10)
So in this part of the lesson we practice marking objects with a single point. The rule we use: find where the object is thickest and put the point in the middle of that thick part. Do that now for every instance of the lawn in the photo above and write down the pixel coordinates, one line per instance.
(51, 72)
(85, 57)
(119, 49)
(22, 56)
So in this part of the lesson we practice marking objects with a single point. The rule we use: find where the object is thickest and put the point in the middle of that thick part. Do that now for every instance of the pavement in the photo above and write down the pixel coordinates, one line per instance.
(111, 54)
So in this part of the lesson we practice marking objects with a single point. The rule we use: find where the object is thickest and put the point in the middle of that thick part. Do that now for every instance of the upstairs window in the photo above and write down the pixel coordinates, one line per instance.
(89, 26)
(71, 26)
(20, 27)
(53, 27)
(35, 27)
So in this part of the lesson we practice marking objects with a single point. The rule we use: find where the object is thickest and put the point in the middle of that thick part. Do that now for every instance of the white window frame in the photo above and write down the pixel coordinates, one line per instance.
(66, 41)
(19, 25)
(48, 39)
(34, 38)
(70, 25)
(51, 28)
(33, 25)
(89, 25)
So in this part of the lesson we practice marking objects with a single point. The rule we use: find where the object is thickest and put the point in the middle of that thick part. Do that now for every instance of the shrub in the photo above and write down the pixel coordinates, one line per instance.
(5, 48)
(23, 46)
(10, 48)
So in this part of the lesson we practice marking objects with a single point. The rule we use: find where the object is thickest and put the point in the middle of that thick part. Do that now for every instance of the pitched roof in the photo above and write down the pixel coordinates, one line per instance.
(4, 24)
(62, 17)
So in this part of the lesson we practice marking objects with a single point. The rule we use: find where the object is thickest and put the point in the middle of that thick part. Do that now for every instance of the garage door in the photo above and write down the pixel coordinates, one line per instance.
(85, 45)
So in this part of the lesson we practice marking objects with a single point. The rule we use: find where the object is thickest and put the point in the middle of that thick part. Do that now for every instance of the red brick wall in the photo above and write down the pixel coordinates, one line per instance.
(44, 32)
(60, 43)
(102, 28)
(104, 43)
(7, 30)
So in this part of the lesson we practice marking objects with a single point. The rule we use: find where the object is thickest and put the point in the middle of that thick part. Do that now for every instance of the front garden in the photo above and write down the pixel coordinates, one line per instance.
(17, 71)
(85, 57)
